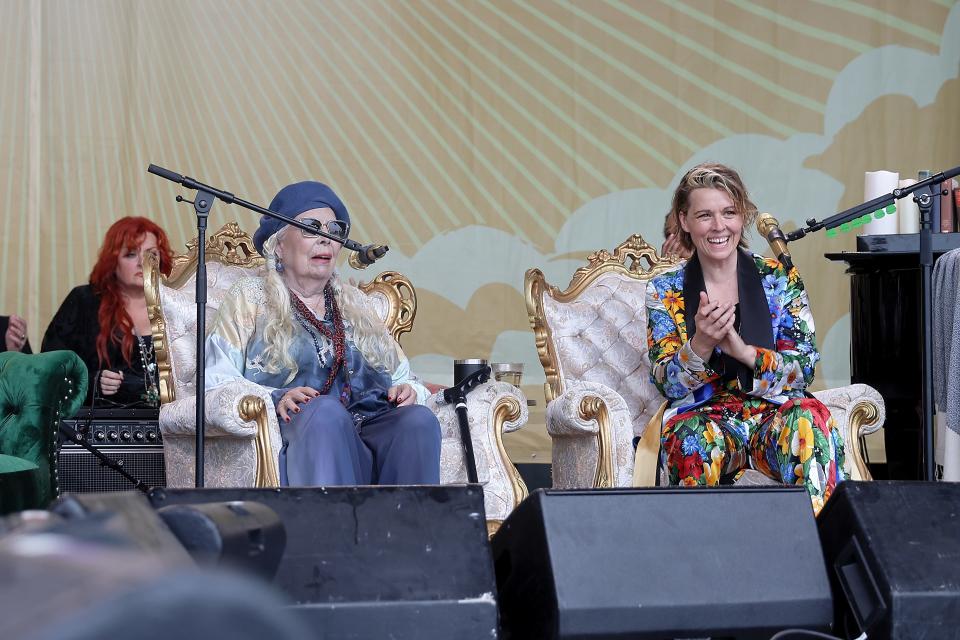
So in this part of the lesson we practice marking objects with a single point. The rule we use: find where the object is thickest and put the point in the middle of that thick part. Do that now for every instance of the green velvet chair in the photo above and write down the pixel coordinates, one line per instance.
(35, 390)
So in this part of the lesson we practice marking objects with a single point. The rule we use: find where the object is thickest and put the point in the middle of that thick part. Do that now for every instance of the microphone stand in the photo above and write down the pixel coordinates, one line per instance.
(458, 394)
(927, 196)
(202, 202)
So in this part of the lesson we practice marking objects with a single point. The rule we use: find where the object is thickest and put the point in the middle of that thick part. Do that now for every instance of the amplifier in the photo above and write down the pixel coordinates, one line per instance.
(115, 427)
(130, 437)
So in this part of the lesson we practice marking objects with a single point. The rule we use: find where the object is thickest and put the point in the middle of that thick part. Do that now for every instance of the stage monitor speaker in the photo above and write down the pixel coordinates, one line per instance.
(105, 566)
(661, 563)
(893, 553)
(379, 562)
(244, 536)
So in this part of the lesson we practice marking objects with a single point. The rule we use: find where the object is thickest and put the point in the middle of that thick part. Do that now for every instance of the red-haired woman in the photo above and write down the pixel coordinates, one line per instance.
(105, 322)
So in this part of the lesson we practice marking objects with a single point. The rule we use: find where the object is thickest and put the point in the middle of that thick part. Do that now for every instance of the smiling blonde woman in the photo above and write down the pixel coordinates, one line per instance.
(732, 348)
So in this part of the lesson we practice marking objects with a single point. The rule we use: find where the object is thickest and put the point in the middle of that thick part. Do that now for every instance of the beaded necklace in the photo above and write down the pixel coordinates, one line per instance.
(308, 319)
(151, 394)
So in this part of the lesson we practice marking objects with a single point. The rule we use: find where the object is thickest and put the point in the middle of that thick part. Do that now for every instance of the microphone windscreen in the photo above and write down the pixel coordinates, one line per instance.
(766, 223)
(165, 173)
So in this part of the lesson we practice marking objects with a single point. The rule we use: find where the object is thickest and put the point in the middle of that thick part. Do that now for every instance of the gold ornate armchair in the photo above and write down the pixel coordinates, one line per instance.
(242, 435)
(592, 342)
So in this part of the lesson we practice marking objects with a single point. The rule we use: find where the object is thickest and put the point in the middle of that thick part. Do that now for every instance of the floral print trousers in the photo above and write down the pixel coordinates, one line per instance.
(794, 443)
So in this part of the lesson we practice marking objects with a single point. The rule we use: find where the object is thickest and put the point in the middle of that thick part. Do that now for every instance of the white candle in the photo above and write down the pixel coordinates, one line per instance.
(875, 184)
(908, 213)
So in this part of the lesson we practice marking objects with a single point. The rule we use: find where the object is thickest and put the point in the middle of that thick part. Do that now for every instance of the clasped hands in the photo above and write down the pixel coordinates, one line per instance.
(400, 395)
(715, 328)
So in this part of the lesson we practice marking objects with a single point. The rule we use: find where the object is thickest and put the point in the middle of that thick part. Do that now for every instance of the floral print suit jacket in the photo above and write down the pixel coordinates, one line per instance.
(779, 373)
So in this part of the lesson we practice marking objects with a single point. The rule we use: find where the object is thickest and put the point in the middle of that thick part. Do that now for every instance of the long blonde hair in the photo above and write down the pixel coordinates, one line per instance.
(361, 324)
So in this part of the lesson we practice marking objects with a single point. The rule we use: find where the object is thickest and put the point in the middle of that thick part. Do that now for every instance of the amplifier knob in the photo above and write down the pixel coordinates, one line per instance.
(98, 434)
(151, 436)
(138, 435)
(112, 434)
(125, 434)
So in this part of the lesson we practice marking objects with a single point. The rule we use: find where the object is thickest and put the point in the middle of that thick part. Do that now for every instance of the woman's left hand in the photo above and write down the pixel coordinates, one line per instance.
(401, 395)
(733, 345)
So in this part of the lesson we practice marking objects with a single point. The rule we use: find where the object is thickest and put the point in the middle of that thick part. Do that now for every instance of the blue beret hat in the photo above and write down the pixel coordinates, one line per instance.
(293, 200)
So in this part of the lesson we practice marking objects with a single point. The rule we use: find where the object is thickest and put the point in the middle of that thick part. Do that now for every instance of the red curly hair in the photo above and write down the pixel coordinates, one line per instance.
(116, 325)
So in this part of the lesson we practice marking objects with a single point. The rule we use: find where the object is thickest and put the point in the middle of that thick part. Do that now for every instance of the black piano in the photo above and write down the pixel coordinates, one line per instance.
(886, 340)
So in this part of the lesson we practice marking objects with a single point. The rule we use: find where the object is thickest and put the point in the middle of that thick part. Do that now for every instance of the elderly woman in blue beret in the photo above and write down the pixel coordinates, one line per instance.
(349, 411)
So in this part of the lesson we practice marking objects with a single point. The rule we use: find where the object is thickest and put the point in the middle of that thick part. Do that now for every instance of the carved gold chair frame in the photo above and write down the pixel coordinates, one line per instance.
(628, 260)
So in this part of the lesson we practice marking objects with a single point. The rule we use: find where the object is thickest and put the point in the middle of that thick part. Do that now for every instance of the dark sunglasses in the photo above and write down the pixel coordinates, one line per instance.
(336, 228)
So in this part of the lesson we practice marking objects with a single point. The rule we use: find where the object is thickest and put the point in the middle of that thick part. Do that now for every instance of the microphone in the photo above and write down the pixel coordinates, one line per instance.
(190, 183)
(769, 228)
(172, 176)
(366, 255)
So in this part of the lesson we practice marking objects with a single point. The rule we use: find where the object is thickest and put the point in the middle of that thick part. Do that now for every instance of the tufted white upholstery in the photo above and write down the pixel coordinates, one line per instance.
(233, 455)
(601, 337)
(230, 452)
(592, 341)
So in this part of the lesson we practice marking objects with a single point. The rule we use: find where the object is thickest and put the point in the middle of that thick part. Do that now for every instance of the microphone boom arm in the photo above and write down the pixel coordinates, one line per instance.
(866, 208)
(928, 201)
(229, 198)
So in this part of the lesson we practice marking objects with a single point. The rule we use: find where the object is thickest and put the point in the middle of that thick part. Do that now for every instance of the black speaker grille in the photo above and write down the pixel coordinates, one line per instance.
(81, 472)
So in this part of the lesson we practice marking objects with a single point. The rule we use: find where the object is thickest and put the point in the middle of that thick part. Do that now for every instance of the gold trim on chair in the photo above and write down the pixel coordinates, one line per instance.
(254, 408)
(506, 410)
(863, 416)
(646, 458)
(625, 260)
(594, 408)
(230, 245)
(401, 300)
(535, 285)
(158, 327)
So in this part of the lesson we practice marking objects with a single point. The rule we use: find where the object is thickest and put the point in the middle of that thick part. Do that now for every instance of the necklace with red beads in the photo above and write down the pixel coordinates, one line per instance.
(337, 337)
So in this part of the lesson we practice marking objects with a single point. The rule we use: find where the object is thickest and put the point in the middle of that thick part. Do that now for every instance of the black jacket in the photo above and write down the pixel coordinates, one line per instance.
(75, 327)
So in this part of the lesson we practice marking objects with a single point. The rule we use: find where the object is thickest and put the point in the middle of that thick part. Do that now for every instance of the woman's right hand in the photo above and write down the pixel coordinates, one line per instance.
(714, 320)
(110, 381)
(16, 335)
(288, 403)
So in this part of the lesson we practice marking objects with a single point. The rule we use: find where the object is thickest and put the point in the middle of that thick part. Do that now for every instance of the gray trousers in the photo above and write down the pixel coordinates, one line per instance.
(321, 446)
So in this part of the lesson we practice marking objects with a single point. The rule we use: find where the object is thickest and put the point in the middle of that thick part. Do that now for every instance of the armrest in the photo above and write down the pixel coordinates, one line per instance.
(858, 410)
(493, 408)
(239, 410)
(223, 415)
(592, 438)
